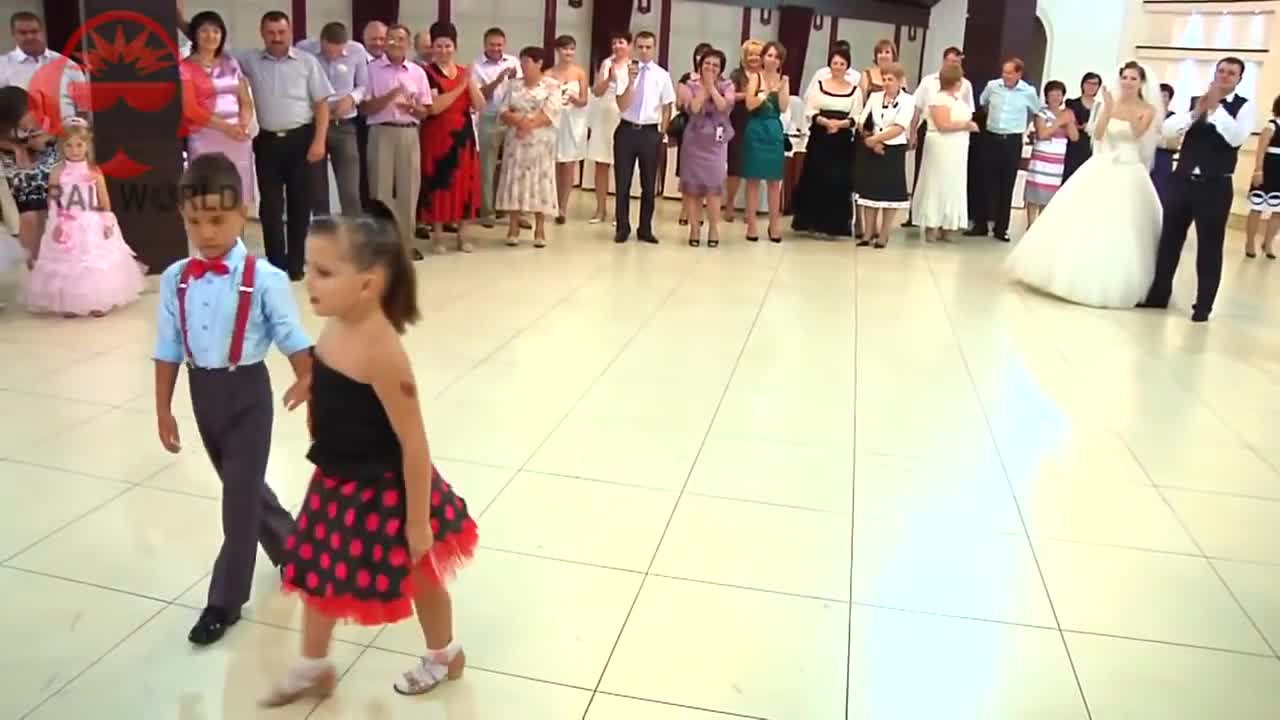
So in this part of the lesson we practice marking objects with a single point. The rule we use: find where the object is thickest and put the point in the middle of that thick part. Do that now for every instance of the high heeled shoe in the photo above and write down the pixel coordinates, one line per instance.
(315, 679)
(433, 669)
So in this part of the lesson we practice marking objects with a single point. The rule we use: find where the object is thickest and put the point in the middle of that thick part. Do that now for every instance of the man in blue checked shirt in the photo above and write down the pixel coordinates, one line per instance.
(220, 312)
(1011, 103)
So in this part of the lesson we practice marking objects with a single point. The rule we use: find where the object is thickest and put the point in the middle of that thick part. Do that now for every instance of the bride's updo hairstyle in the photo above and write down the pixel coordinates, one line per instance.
(1135, 66)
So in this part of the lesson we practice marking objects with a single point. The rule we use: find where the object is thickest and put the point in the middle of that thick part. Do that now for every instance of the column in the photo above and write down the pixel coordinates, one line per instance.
(135, 112)
(996, 30)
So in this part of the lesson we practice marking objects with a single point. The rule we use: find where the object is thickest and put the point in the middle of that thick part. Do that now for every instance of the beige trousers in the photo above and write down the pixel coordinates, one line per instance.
(395, 174)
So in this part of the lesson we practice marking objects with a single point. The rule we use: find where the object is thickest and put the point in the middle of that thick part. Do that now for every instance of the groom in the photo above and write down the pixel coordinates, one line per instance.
(1219, 122)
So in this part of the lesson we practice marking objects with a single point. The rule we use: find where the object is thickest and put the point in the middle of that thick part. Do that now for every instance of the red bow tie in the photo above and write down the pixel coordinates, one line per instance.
(199, 267)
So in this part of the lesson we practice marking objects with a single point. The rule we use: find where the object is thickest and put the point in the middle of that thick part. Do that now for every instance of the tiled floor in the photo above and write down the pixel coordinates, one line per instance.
(799, 482)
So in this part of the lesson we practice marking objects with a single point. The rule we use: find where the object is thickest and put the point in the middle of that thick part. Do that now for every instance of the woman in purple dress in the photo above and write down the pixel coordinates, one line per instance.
(704, 148)
(217, 106)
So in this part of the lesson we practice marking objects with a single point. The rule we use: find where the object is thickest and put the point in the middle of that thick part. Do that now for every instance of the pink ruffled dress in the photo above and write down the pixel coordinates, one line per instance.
(84, 266)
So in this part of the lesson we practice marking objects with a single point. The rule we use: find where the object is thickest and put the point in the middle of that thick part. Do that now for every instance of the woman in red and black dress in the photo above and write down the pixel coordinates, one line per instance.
(450, 160)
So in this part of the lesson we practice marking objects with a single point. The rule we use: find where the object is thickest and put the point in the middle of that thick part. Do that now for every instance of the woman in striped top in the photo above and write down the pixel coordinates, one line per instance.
(1055, 126)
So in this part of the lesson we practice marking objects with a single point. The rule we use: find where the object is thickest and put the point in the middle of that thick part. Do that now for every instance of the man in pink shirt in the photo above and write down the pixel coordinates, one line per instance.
(399, 98)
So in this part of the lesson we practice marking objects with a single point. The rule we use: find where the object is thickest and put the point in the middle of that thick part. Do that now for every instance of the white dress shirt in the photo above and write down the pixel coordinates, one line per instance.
(659, 92)
(485, 70)
(1235, 130)
(824, 73)
(18, 68)
(931, 85)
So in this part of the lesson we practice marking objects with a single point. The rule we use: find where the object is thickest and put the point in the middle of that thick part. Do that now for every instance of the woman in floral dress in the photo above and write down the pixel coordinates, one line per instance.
(531, 112)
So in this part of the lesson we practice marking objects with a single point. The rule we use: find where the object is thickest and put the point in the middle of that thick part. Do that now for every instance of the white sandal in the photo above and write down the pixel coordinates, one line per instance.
(307, 678)
(436, 667)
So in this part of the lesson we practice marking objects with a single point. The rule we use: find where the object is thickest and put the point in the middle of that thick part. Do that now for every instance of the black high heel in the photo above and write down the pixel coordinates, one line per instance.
(773, 239)
(713, 242)
(694, 242)
(753, 238)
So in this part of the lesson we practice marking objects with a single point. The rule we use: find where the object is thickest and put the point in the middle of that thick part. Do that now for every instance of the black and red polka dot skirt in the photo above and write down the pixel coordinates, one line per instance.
(348, 557)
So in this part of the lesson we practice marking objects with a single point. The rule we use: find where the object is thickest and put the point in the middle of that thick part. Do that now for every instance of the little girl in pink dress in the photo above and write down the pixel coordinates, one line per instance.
(84, 266)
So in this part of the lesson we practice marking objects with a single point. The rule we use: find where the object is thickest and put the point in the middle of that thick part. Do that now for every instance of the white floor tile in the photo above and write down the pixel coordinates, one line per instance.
(52, 630)
(1128, 679)
(27, 517)
(1231, 527)
(767, 547)
(680, 632)
(149, 542)
(156, 673)
(541, 619)
(911, 665)
(984, 576)
(365, 692)
(1118, 591)
(739, 417)
(600, 523)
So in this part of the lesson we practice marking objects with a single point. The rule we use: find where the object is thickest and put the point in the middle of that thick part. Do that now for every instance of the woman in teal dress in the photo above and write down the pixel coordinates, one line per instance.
(763, 148)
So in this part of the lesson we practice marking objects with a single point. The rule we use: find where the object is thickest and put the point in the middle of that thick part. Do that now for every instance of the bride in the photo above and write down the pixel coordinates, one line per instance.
(1066, 255)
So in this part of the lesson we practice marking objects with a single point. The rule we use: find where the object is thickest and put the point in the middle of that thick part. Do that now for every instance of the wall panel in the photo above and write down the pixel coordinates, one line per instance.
(577, 22)
(694, 22)
(419, 14)
(521, 20)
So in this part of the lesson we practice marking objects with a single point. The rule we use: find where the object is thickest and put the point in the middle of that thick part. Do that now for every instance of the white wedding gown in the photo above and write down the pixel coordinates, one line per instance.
(1095, 243)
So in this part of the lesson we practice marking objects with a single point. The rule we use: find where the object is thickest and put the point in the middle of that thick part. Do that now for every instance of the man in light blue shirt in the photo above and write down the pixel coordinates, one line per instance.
(1010, 103)
(347, 66)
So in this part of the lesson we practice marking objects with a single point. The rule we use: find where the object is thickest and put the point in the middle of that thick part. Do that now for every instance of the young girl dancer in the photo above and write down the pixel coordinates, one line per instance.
(84, 266)
(380, 530)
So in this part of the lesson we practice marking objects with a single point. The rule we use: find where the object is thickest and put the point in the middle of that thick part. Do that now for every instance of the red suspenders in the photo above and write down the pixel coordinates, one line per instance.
(242, 311)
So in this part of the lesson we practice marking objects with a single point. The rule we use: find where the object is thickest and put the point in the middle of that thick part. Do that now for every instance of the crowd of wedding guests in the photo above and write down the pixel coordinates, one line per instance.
(446, 143)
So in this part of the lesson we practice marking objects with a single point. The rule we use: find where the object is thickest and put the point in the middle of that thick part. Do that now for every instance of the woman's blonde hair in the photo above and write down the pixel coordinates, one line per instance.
(950, 76)
(885, 44)
(749, 47)
(895, 70)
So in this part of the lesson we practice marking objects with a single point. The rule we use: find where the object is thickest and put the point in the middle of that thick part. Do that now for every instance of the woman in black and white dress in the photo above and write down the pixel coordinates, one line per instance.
(882, 188)
(823, 199)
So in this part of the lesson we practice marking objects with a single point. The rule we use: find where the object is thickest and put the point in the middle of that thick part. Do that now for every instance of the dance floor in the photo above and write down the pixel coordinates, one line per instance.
(795, 482)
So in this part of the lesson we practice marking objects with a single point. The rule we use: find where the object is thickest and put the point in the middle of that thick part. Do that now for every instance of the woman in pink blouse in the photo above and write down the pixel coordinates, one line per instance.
(217, 107)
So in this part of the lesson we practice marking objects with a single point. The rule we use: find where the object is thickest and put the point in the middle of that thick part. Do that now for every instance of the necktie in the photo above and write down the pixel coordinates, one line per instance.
(640, 83)
(199, 267)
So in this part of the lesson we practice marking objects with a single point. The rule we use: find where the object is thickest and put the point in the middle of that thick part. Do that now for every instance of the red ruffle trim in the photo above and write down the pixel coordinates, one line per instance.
(440, 565)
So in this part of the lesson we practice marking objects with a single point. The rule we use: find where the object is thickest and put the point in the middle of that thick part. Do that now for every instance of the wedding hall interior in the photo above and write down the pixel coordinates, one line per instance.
(796, 480)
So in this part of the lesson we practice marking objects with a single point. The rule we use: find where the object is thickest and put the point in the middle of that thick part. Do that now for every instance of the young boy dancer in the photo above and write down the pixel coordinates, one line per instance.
(219, 313)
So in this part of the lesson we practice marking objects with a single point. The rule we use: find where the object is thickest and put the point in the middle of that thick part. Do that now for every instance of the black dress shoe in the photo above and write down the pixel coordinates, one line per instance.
(622, 236)
(1003, 237)
(212, 625)
(648, 238)
(1153, 305)
(1198, 315)
(975, 232)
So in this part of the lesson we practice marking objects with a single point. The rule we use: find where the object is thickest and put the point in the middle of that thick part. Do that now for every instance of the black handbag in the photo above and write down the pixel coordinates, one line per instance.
(675, 128)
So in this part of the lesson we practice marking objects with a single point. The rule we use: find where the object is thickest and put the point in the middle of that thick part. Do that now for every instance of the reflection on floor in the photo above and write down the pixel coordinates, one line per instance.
(802, 482)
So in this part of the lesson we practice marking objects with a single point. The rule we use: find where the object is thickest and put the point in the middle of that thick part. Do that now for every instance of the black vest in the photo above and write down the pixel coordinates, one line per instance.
(1204, 148)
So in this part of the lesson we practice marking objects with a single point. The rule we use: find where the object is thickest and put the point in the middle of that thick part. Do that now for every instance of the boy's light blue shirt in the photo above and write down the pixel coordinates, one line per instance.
(211, 314)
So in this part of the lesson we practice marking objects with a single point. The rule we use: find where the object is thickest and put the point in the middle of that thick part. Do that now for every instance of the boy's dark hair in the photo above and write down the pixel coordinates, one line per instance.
(494, 32)
(566, 41)
(373, 240)
(212, 174)
(1055, 85)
